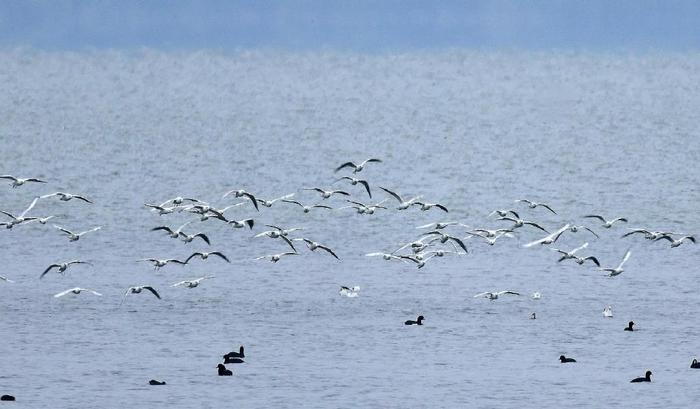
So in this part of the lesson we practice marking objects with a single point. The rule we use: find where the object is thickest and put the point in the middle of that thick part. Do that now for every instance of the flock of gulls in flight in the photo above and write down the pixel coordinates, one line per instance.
(439, 239)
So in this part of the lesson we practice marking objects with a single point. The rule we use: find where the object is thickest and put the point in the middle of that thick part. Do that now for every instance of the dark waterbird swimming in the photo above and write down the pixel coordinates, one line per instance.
(239, 354)
(223, 371)
(564, 359)
(8, 398)
(419, 321)
(629, 326)
(233, 361)
(646, 378)
(156, 382)
(695, 364)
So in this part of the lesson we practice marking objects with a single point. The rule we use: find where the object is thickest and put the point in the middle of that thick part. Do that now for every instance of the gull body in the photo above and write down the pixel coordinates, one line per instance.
(313, 246)
(350, 292)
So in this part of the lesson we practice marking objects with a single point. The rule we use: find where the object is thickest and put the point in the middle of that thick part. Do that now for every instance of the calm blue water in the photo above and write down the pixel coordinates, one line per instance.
(599, 133)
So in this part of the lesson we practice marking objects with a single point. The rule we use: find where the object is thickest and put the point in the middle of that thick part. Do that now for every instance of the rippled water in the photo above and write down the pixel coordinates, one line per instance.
(584, 132)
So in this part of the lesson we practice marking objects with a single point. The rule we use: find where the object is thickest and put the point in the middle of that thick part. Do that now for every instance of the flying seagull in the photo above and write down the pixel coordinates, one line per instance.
(158, 263)
(243, 193)
(191, 283)
(565, 255)
(314, 245)
(76, 290)
(550, 238)
(276, 257)
(204, 256)
(238, 224)
(17, 182)
(355, 181)
(676, 243)
(533, 205)
(172, 233)
(606, 223)
(65, 197)
(517, 223)
(137, 290)
(62, 267)
(494, 296)
(76, 236)
(618, 270)
(357, 168)
(307, 208)
(269, 203)
(325, 194)
(427, 206)
(403, 204)
(21, 218)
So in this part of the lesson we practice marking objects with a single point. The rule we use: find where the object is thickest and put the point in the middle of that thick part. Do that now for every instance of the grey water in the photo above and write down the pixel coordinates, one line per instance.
(583, 132)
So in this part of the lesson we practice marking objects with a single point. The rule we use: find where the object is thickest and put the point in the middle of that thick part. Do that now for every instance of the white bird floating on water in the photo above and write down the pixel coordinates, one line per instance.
(65, 197)
(350, 292)
(5, 279)
(76, 290)
(607, 312)
(138, 289)
(618, 270)
(494, 296)
(17, 182)
(76, 236)
(536, 295)
(191, 283)
(357, 168)
(606, 223)
(549, 239)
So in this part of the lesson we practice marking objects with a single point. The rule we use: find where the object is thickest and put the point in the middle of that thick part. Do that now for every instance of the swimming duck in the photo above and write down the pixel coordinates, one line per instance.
(419, 321)
(239, 354)
(629, 326)
(646, 378)
(223, 371)
(564, 359)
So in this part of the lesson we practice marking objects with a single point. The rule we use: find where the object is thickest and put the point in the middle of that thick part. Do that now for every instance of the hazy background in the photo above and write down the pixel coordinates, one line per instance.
(358, 25)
